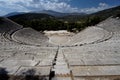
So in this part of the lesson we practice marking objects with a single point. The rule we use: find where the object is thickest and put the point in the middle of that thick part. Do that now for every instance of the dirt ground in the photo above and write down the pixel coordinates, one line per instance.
(59, 37)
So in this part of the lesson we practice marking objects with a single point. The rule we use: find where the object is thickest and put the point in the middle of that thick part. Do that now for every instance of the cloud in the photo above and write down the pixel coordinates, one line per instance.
(103, 5)
(38, 5)
(100, 7)
(2, 12)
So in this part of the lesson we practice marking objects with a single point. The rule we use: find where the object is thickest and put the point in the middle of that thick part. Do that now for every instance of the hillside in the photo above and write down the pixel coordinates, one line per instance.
(115, 11)
(14, 13)
(72, 22)
(104, 14)
(28, 16)
(39, 21)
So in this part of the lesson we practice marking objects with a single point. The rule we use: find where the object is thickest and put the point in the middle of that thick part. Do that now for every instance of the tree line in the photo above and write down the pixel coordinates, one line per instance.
(56, 24)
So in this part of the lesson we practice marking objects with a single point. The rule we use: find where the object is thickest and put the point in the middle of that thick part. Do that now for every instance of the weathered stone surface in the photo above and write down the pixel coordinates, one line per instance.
(40, 71)
(96, 70)
(93, 54)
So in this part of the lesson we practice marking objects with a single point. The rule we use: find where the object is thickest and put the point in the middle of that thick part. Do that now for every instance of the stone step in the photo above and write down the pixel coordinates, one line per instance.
(82, 71)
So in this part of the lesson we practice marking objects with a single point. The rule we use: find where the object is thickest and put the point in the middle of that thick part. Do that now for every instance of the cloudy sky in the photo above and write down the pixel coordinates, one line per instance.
(87, 6)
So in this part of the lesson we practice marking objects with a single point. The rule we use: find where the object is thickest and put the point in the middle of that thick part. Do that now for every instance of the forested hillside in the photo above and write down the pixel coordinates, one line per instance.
(75, 23)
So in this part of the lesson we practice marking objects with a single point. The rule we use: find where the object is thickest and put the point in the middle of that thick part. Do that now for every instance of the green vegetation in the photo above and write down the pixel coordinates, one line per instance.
(74, 23)
(1, 21)
(117, 15)
(39, 22)
(43, 22)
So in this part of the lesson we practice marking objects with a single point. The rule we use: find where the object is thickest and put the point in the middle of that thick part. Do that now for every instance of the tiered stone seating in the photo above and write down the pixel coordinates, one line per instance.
(15, 56)
(98, 60)
(90, 35)
(30, 36)
(8, 26)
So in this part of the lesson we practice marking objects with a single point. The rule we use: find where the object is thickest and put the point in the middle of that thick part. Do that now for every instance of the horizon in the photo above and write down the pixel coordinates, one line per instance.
(63, 6)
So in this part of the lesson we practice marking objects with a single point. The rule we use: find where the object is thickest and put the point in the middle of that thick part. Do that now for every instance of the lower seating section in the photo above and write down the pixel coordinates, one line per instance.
(96, 61)
(19, 61)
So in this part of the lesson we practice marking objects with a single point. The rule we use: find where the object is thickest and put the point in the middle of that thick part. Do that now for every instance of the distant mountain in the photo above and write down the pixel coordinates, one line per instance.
(13, 14)
(31, 16)
(51, 20)
(53, 13)
(114, 12)
(59, 14)
(70, 17)
(49, 12)
(104, 14)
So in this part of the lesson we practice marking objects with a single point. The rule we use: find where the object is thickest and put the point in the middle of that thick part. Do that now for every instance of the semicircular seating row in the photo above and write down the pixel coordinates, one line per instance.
(90, 35)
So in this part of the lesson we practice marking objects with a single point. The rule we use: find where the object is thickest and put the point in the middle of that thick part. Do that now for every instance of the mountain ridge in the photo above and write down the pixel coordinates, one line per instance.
(49, 12)
(41, 21)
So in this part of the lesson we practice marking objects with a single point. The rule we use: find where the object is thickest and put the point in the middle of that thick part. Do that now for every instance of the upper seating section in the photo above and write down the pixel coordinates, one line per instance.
(110, 24)
(8, 26)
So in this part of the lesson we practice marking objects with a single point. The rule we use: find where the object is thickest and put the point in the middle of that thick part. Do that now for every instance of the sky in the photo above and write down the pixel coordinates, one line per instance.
(65, 6)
